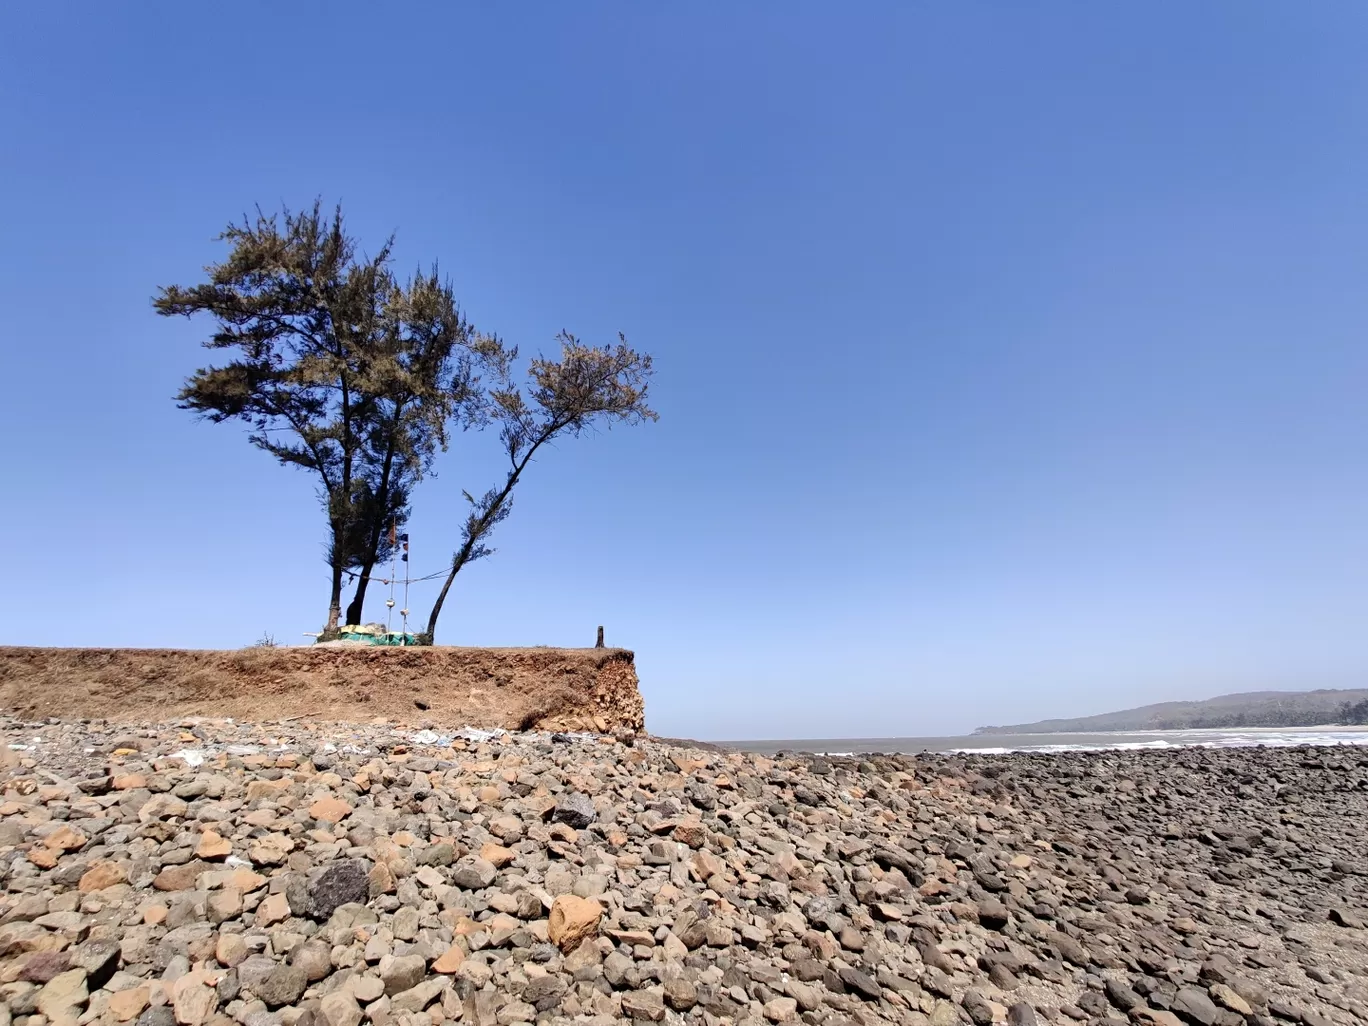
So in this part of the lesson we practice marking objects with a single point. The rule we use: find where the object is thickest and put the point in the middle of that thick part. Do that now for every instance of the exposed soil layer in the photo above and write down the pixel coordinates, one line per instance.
(514, 688)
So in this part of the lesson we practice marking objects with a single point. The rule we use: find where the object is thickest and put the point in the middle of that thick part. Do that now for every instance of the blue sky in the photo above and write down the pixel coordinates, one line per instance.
(1012, 359)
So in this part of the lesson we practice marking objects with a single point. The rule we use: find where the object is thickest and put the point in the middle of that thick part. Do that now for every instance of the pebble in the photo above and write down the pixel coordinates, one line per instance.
(328, 875)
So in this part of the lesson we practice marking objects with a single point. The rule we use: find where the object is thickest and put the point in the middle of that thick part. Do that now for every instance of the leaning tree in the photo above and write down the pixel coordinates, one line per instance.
(587, 386)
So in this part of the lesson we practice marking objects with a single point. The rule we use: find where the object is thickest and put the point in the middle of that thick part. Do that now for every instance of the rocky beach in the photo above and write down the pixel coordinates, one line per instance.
(309, 874)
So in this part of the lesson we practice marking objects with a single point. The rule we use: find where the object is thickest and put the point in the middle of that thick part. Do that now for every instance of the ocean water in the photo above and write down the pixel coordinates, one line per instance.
(1001, 744)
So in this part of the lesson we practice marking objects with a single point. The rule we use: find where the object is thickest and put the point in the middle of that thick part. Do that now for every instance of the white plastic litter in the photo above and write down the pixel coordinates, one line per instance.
(192, 756)
(475, 734)
(431, 737)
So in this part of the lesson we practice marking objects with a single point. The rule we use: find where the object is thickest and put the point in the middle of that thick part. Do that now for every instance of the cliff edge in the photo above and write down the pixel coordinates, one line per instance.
(592, 689)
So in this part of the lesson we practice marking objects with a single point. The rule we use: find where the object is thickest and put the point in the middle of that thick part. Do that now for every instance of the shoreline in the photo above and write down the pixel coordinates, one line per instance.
(1063, 741)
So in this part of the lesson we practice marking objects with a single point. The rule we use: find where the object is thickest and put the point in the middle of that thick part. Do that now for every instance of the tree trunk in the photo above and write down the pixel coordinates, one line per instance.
(335, 601)
(459, 560)
(358, 602)
(437, 608)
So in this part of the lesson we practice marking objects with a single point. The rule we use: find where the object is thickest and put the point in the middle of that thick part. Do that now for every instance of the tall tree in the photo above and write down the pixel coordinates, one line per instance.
(340, 370)
(585, 387)
(425, 380)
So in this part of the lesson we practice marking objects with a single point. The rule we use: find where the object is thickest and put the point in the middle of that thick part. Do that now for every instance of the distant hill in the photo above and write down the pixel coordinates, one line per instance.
(1251, 709)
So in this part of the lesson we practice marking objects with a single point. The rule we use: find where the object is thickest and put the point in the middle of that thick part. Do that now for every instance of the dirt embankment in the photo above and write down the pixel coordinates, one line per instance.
(514, 688)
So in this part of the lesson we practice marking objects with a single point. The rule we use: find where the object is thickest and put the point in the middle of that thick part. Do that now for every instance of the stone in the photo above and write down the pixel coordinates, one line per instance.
(314, 959)
(231, 949)
(157, 1015)
(618, 970)
(271, 850)
(102, 875)
(1122, 996)
(330, 810)
(473, 874)
(340, 1009)
(400, 973)
(644, 1004)
(993, 914)
(126, 1005)
(574, 809)
(43, 966)
(861, 983)
(179, 878)
(508, 829)
(405, 924)
(283, 985)
(781, 1009)
(319, 894)
(62, 994)
(223, 905)
(273, 909)
(449, 961)
(1021, 1013)
(381, 880)
(497, 855)
(691, 832)
(1194, 1006)
(572, 920)
(680, 993)
(1228, 998)
(419, 996)
(367, 988)
(213, 846)
(1344, 917)
(162, 806)
(99, 959)
(193, 1000)
(64, 838)
(1155, 1017)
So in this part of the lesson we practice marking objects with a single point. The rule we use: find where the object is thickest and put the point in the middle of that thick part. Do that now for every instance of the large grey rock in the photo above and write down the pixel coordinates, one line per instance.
(474, 874)
(320, 893)
(402, 972)
(643, 1004)
(574, 809)
(1194, 1006)
(161, 1015)
(283, 985)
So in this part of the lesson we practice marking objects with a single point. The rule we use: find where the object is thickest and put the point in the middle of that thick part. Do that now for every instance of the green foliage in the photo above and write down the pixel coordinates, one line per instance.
(338, 368)
(585, 387)
(1353, 712)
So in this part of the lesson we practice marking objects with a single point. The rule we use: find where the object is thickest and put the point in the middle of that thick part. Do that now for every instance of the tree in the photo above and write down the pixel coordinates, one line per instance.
(585, 387)
(340, 370)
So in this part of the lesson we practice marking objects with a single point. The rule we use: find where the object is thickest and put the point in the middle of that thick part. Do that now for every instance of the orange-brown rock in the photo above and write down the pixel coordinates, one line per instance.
(572, 920)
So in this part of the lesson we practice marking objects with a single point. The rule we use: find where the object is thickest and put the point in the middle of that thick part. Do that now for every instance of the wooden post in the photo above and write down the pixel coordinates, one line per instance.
(599, 643)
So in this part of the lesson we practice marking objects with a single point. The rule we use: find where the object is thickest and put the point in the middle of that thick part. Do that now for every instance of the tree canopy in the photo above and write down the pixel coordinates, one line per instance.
(339, 368)
(586, 386)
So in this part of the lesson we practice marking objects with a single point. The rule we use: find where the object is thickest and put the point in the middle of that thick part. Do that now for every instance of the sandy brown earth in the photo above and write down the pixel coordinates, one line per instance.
(513, 688)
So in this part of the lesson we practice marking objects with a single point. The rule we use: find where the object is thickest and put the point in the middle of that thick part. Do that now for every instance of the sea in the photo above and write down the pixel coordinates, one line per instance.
(1001, 744)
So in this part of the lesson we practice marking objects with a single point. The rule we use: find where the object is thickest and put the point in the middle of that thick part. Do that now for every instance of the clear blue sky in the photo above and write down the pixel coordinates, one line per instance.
(1012, 358)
